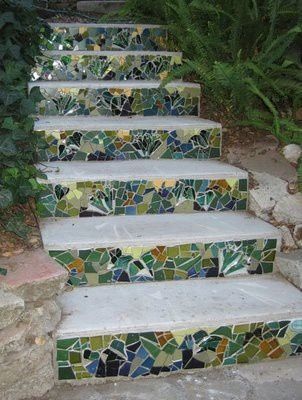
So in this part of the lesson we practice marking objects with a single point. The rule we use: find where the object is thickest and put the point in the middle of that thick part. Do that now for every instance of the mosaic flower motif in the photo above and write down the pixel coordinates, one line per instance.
(106, 38)
(160, 263)
(103, 67)
(119, 102)
(107, 145)
(153, 353)
(140, 197)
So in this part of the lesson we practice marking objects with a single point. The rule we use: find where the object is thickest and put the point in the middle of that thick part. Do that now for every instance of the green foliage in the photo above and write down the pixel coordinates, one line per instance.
(20, 36)
(245, 53)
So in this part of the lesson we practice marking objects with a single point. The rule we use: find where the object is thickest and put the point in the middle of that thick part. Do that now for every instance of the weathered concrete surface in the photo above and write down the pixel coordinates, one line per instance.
(290, 266)
(28, 372)
(277, 380)
(11, 307)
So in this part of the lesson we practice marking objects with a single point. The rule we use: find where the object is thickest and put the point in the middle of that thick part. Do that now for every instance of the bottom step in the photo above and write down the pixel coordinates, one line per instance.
(139, 330)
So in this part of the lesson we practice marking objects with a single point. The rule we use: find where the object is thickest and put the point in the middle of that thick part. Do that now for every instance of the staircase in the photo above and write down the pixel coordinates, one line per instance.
(169, 271)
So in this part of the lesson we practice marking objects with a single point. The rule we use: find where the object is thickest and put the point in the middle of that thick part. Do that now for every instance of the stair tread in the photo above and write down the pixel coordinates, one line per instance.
(136, 122)
(82, 171)
(153, 230)
(112, 84)
(116, 53)
(98, 25)
(177, 305)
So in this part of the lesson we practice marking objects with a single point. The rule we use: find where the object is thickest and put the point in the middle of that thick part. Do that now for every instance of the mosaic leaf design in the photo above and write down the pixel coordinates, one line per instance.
(160, 263)
(119, 101)
(152, 353)
(106, 38)
(138, 197)
(96, 67)
(123, 144)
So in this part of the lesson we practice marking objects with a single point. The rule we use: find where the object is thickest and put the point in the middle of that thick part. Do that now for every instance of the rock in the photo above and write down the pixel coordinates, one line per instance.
(11, 307)
(27, 373)
(288, 242)
(33, 275)
(261, 203)
(42, 318)
(289, 209)
(272, 163)
(290, 265)
(263, 198)
(12, 339)
(292, 152)
(298, 235)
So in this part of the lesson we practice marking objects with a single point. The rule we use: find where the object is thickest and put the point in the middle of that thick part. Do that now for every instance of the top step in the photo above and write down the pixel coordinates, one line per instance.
(79, 36)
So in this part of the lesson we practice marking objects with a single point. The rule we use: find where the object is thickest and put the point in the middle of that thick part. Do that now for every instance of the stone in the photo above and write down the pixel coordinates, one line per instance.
(290, 266)
(42, 318)
(33, 275)
(288, 242)
(12, 339)
(289, 209)
(27, 373)
(11, 307)
(298, 235)
(292, 152)
(263, 198)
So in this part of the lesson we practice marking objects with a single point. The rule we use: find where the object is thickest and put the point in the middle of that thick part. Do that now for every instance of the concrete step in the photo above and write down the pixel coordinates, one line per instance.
(160, 247)
(115, 138)
(105, 65)
(134, 331)
(81, 36)
(117, 98)
(140, 187)
(99, 7)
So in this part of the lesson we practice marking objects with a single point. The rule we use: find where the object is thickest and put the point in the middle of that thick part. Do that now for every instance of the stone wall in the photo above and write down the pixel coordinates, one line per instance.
(29, 313)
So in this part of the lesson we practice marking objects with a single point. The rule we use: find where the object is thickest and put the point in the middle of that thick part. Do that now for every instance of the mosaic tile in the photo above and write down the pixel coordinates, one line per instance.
(106, 38)
(151, 353)
(138, 197)
(98, 67)
(119, 101)
(106, 145)
(158, 263)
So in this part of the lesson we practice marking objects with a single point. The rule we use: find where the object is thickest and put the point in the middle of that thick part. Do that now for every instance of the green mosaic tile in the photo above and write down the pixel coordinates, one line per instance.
(84, 199)
(106, 38)
(143, 264)
(104, 145)
(104, 67)
(152, 353)
(160, 101)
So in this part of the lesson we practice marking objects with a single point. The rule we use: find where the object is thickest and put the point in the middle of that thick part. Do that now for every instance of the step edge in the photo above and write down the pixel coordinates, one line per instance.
(265, 231)
(272, 313)
(234, 172)
(100, 123)
(96, 25)
(87, 84)
(114, 53)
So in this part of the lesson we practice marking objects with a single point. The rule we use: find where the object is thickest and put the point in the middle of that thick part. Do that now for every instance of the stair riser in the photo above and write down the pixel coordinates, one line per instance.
(159, 263)
(133, 355)
(106, 145)
(107, 38)
(72, 199)
(123, 67)
(119, 102)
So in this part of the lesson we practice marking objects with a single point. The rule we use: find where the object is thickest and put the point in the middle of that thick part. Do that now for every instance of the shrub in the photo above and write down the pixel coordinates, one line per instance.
(20, 36)
(246, 55)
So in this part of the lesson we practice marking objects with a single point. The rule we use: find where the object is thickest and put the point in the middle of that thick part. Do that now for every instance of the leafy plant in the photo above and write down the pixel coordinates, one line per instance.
(20, 36)
(246, 54)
